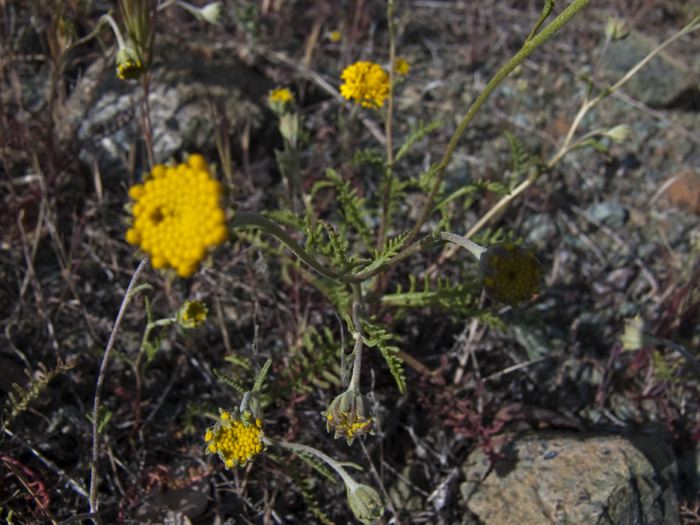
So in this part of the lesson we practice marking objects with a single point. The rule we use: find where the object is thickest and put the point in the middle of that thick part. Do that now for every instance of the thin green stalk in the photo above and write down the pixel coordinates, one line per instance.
(357, 324)
(244, 219)
(298, 447)
(528, 48)
(388, 130)
(94, 473)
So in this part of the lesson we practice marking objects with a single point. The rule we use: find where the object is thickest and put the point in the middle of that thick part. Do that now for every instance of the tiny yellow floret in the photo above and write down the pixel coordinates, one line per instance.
(401, 66)
(280, 95)
(366, 83)
(178, 216)
(335, 36)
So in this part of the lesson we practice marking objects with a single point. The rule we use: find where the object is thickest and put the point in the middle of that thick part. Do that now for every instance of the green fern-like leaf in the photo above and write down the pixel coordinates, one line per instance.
(416, 134)
(37, 383)
(461, 298)
(351, 205)
(376, 336)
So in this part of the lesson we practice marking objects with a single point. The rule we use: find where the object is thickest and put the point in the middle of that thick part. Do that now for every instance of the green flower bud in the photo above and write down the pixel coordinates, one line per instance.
(349, 415)
(634, 338)
(365, 502)
(192, 314)
(619, 133)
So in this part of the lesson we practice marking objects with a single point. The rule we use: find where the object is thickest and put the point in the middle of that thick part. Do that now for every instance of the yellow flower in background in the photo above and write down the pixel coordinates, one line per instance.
(511, 274)
(177, 215)
(335, 36)
(235, 439)
(192, 314)
(280, 96)
(366, 83)
(401, 66)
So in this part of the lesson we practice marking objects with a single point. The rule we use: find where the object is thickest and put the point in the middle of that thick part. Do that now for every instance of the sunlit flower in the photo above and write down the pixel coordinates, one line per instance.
(235, 438)
(401, 66)
(335, 36)
(192, 314)
(511, 274)
(177, 215)
(280, 96)
(366, 83)
(349, 416)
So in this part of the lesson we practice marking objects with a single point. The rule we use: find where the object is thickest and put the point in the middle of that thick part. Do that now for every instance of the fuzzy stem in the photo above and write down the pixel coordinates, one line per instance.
(115, 29)
(357, 324)
(298, 447)
(469, 245)
(94, 475)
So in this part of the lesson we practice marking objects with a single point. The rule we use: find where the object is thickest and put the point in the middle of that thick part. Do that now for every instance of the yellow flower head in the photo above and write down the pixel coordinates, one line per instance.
(511, 274)
(349, 416)
(178, 215)
(335, 36)
(401, 66)
(192, 314)
(280, 96)
(235, 439)
(129, 66)
(366, 83)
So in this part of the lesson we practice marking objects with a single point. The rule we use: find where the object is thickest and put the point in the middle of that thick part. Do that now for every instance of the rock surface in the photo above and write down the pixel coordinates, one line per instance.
(572, 479)
(660, 83)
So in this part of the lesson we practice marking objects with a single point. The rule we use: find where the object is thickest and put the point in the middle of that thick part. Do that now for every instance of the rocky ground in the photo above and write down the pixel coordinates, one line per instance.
(546, 420)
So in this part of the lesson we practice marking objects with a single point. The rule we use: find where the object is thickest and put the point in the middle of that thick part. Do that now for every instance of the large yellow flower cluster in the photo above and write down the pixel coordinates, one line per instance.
(236, 440)
(366, 83)
(178, 215)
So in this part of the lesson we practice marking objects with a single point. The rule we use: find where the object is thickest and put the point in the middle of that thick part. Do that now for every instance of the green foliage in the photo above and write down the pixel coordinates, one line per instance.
(376, 336)
(352, 207)
(314, 364)
(460, 298)
(416, 134)
(391, 248)
(37, 383)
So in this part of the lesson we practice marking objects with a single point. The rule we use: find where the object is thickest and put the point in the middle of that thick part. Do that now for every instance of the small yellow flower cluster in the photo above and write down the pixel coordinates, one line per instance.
(366, 83)
(335, 36)
(192, 314)
(348, 416)
(236, 440)
(129, 66)
(401, 66)
(280, 96)
(178, 215)
(511, 274)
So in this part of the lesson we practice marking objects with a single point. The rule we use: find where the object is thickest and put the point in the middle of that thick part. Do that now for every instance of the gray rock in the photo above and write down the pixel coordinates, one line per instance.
(659, 83)
(610, 213)
(571, 479)
(187, 98)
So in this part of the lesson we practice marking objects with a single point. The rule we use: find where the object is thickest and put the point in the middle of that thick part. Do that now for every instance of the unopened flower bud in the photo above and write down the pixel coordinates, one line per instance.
(619, 133)
(365, 502)
(634, 338)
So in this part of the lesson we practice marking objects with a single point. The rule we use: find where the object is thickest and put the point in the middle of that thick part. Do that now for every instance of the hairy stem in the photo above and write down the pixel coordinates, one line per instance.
(94, 475)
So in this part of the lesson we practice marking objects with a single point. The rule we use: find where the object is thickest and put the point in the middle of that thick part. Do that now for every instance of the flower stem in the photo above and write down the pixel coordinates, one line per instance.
(298, 447)
(94, 475)
(357, 351)
(528, 47)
